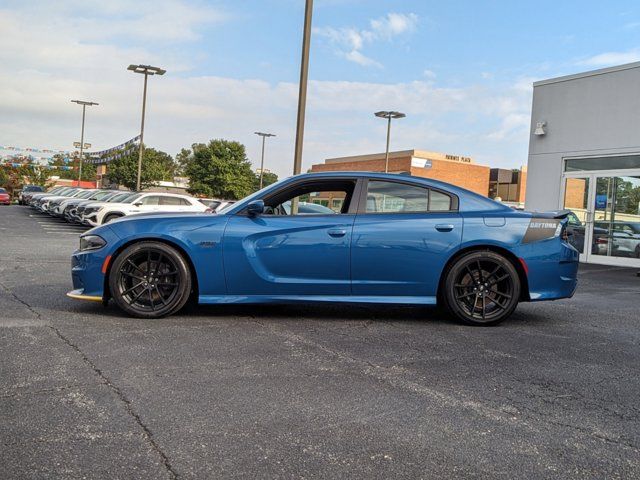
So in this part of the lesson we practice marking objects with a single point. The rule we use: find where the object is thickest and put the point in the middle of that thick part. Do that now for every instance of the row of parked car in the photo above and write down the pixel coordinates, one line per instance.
(95, 207)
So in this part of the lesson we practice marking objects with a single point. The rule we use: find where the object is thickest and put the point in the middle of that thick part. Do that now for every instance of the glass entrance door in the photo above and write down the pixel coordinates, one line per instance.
(605, 224)
(616, 219)
(576, 199)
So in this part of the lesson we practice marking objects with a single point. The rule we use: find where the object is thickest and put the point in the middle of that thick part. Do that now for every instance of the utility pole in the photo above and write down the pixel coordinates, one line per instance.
(146, 70)
(388, 115)
(82, 145)
(264, 136)
(302, 93)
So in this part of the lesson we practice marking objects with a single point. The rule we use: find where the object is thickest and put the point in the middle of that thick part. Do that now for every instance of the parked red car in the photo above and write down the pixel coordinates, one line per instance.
(5, 199)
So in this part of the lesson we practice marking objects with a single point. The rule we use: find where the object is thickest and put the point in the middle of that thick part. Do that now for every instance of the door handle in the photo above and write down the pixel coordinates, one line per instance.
(442, 227)
(337, 232)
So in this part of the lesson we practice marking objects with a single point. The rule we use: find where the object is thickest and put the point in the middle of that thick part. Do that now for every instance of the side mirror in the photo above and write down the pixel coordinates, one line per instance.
(137, 204)
(255, 208)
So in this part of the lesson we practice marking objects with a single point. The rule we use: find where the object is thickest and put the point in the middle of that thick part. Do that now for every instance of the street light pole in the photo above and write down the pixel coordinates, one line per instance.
(388, 115)
(84, 109)
(146, 70)
(302, 93)
(264, 136)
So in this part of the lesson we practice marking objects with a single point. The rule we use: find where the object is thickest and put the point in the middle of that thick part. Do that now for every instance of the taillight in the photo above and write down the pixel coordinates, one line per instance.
(602, 241)
(565, 234)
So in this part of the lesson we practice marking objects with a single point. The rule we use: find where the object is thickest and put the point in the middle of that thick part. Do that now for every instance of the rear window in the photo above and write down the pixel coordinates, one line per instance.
(2, 190)
(173, 201)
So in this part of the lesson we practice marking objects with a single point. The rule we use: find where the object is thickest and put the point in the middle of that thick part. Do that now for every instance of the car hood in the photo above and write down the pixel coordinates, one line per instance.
(160, 224)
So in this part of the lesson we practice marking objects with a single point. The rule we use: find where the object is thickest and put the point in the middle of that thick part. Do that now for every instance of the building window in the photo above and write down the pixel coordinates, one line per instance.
(602, 163)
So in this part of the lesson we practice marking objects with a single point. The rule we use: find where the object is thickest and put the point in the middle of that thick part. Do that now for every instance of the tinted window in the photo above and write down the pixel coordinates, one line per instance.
(172, 201)
(313, 198)
(439, 202)
(151, 200)
(391, 197)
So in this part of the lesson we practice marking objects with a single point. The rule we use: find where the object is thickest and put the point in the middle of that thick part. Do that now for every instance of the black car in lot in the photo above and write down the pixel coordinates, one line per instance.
(27, 191)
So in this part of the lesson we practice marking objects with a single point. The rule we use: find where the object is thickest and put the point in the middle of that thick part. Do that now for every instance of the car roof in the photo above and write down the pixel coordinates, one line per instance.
(468, 200)
(166, 194)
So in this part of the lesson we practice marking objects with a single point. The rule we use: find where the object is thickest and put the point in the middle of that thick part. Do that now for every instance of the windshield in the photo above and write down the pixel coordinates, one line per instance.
(253, 196)
(85, 194)
(2, 190)
(118, 197)
(101, 195)
(132, 198)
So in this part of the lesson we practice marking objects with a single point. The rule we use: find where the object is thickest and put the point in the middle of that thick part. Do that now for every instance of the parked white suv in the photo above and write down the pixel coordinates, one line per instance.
(141, 203)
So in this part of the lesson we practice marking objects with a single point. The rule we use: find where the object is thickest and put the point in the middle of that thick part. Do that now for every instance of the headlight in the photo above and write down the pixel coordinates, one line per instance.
(91, 242)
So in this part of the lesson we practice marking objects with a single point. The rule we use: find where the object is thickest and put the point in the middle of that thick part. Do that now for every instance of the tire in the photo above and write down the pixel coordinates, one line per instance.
(481, 288)
(110, 217)
(141, 295)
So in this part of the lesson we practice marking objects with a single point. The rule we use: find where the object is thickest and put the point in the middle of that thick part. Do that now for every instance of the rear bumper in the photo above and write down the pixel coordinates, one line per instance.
(553, 270)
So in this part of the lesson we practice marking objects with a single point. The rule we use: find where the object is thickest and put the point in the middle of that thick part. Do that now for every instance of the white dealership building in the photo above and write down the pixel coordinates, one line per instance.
(584, 155)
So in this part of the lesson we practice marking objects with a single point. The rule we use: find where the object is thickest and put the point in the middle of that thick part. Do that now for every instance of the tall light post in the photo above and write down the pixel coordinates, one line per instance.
(82, 144)
(146, 70)
(302, 93)
(388, 115)
(264, 136)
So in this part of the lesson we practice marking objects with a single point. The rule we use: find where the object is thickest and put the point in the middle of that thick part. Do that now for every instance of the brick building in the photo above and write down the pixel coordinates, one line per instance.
(454, 169)
(510, 185)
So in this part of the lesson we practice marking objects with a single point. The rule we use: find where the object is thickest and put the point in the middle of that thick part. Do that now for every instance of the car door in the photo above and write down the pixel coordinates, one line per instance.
(402, 237)
(293, 249)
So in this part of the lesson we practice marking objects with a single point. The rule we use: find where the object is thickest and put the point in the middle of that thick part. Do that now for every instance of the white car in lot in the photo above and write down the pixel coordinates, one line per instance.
(141, 203)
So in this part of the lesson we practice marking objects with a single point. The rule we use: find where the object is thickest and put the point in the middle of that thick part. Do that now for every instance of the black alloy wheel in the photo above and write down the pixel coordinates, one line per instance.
(482, 288)
(150, 280)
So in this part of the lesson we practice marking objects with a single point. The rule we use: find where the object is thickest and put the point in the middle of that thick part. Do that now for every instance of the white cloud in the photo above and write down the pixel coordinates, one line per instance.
(611, 58)
(351, 41)
(429, 74)
(56, 63)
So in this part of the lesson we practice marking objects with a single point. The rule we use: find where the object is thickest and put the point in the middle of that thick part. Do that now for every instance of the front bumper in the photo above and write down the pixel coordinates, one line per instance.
(79, 295)
(87, 268)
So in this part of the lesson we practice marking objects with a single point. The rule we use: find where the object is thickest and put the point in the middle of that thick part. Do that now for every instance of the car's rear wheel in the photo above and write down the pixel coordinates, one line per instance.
(150, 280)
(482, 288)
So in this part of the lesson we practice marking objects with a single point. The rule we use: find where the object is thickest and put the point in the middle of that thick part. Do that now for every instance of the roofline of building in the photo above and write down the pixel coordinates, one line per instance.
(399, 153)
(590, 73)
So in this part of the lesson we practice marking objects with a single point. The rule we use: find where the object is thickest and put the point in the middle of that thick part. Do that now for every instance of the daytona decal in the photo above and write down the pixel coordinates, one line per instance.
(541, 229)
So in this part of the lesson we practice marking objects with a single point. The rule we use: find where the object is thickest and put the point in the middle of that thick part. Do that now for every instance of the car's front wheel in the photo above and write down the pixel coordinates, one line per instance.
(150, 280)
(482, 288)
(111, 217)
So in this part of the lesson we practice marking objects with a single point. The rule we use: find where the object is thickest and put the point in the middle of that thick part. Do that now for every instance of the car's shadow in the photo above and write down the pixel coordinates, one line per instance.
(408, 315)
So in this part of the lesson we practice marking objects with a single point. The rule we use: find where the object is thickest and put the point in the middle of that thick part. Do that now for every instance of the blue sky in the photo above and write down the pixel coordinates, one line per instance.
(461, 70)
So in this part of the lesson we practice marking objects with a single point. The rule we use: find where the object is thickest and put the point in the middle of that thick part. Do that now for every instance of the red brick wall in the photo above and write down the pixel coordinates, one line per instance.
(466, 175)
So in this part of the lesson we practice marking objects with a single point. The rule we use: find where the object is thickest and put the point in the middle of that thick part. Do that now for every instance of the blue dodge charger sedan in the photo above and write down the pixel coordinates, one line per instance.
(353, 237)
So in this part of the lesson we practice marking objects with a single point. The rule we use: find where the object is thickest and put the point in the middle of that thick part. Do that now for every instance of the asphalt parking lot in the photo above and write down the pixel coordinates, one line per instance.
(291, 392)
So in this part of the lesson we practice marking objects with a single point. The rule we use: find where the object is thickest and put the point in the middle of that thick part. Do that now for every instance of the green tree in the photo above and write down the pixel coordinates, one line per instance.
(4, 176)
(34, 175)
(156, 166)
(267, 179)
(182, 159)
(88, 169)
(219, 169)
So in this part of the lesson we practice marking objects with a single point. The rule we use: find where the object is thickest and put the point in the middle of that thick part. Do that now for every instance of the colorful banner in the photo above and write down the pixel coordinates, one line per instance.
(113, 153)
